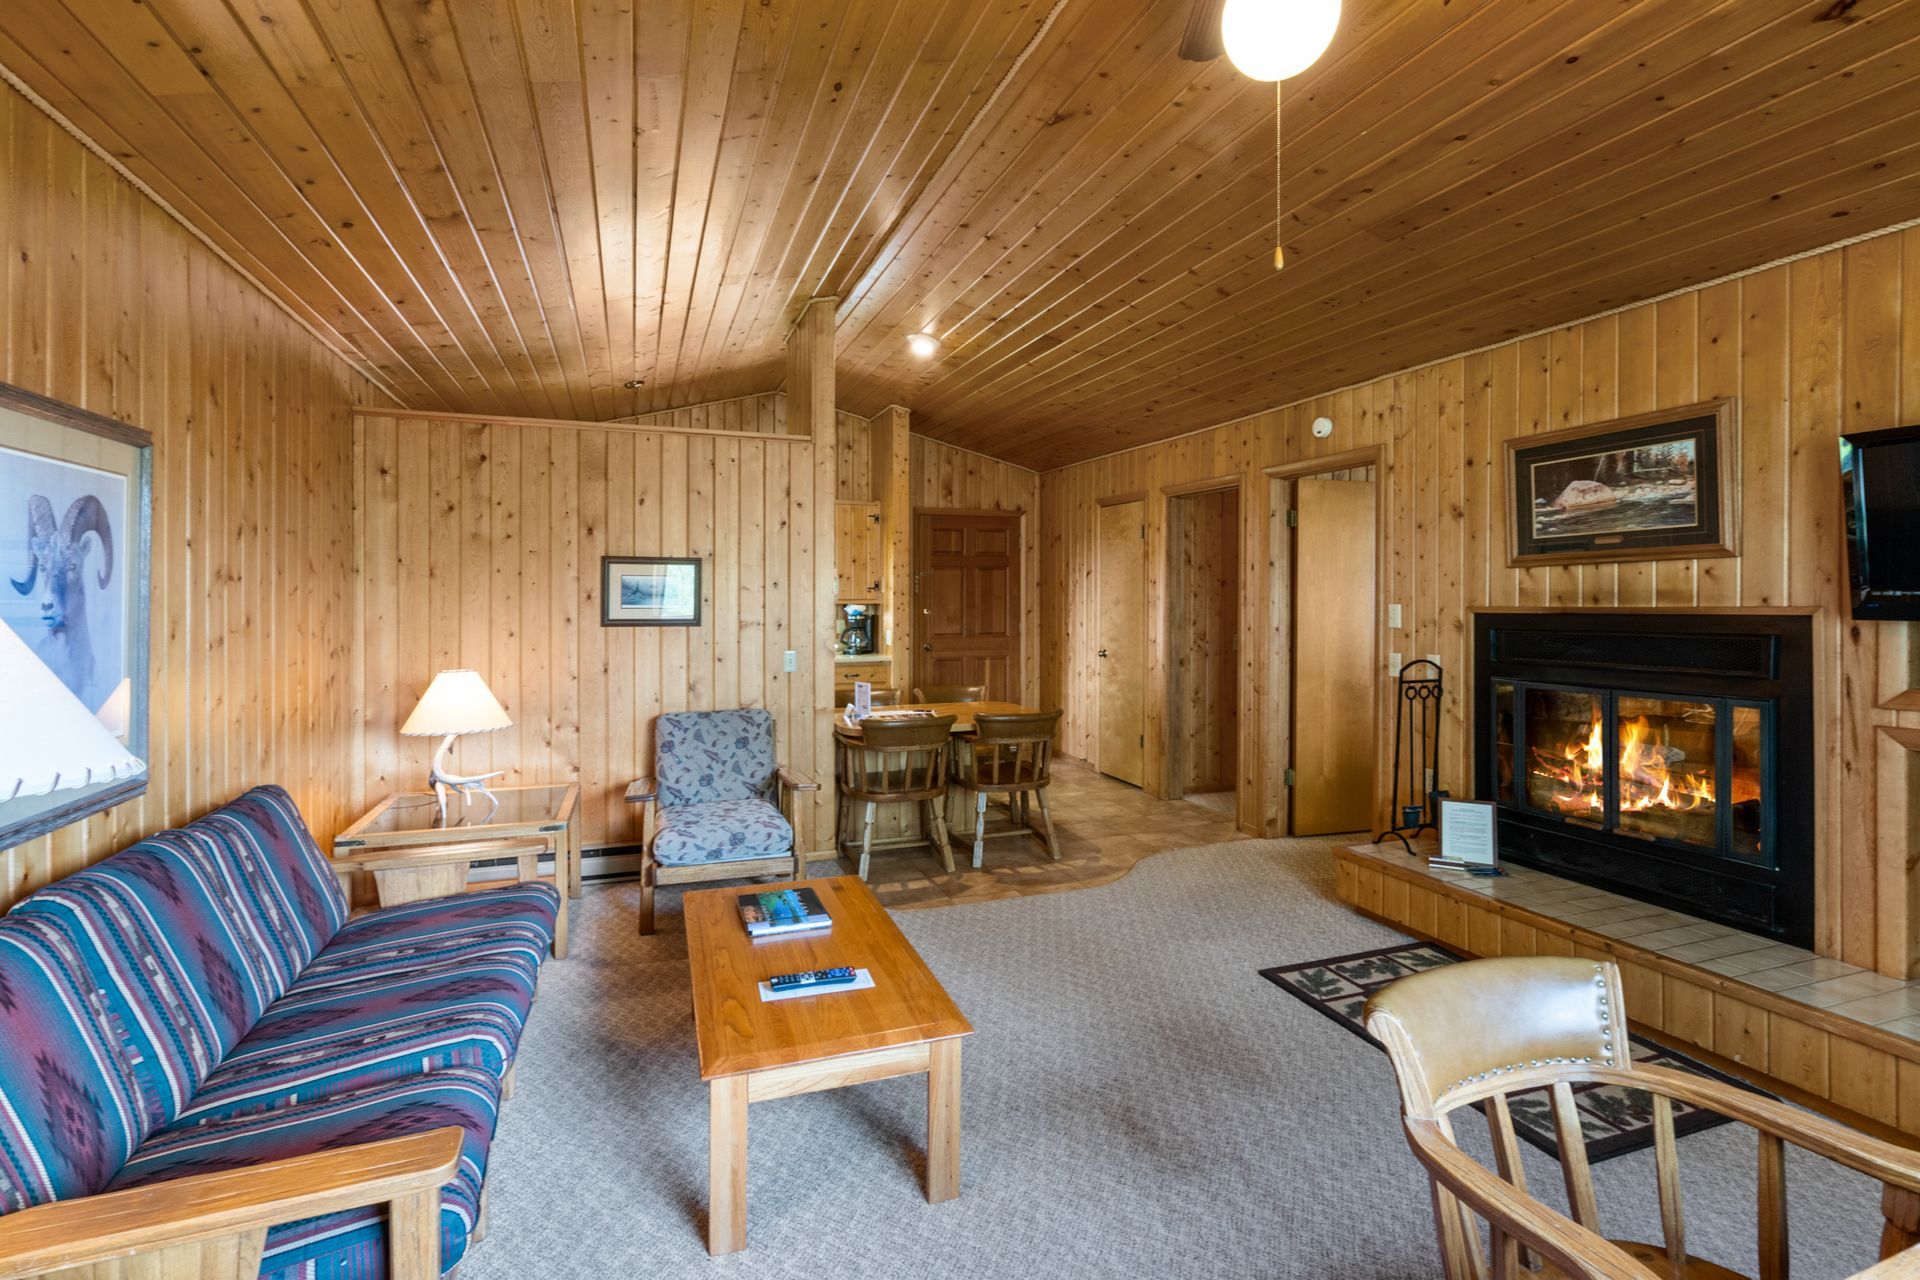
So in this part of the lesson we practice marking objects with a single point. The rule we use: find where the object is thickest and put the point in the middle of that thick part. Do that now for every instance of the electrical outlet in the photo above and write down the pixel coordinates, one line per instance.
(1393, 619)
(1434, 658)
(1393, 661)
(793, 660)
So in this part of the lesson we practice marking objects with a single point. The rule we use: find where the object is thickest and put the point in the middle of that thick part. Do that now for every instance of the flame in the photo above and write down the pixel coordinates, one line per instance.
(1577, 772)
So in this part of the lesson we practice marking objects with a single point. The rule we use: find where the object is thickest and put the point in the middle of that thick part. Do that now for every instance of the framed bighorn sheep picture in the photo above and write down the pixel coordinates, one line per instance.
(76, 509)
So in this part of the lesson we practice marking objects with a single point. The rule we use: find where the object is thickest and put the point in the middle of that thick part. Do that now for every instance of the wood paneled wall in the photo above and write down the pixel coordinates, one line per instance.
(1826, 344)
(479, 546)
(945, 478)
(765, 414)
(109, 305)
(1204, 635)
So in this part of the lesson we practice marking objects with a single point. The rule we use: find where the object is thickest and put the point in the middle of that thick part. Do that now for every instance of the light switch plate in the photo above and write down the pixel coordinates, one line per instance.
(793, 660)
(1393, 619)
(1434, 658)
(1393, 659)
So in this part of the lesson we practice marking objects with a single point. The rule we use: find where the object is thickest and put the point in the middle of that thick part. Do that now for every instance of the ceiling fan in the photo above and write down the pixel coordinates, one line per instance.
(1266, 39)
(1202, 41)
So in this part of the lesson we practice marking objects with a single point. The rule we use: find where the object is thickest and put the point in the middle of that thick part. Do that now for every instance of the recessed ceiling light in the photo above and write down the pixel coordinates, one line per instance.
(923, 345)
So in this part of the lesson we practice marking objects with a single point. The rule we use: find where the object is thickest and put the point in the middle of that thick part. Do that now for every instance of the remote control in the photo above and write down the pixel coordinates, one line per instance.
(818, 978)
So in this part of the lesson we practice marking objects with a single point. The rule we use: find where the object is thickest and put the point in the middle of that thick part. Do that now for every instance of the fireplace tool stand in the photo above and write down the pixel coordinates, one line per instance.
(1416, 753)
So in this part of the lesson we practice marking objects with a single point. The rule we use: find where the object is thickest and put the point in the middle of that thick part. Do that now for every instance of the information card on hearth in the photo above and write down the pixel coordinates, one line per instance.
(1467, 832)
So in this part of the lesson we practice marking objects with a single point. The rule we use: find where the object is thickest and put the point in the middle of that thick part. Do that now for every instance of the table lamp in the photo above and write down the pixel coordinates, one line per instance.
(66, 748)
(457, 702)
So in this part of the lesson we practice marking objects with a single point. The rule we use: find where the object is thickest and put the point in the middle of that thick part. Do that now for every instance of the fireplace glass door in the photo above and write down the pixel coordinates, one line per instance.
(1667, 751)
(1678, 770)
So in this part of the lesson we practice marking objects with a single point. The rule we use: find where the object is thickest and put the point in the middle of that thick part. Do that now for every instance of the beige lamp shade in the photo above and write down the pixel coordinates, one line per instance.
(53, 742)
(456, 702)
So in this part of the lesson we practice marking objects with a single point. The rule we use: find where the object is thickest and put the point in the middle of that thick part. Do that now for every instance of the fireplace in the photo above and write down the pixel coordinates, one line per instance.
(1664, 756)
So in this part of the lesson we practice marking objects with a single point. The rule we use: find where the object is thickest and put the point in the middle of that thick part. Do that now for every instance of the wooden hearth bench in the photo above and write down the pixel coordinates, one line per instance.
(209, 1070)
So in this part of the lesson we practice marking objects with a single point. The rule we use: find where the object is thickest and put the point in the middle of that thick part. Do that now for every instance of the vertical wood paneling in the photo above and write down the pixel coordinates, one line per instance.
(517, 515)
(1205, 635)
(1811, 348)
(112, 307)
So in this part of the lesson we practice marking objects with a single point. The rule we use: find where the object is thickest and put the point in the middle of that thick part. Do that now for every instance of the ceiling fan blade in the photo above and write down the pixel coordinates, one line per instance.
(1202, 41)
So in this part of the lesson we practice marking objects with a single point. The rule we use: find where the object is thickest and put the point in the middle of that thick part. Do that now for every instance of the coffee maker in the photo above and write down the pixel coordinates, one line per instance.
(856, 628)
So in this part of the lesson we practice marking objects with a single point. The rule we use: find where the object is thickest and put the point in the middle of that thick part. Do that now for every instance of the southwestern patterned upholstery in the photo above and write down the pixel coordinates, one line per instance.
(201, 1002)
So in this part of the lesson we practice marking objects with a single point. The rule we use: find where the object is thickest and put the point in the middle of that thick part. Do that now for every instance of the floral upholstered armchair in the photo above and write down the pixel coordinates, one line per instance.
(719, 806)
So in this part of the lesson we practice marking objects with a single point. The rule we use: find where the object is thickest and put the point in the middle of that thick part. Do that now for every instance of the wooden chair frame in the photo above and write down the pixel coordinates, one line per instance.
(214, 1226)
(897, 762)
(1010, 755)
(793, 865)
(1463, 1189)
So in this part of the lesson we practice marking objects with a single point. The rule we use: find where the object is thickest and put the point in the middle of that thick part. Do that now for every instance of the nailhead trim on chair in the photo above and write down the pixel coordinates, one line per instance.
(1606, 1043)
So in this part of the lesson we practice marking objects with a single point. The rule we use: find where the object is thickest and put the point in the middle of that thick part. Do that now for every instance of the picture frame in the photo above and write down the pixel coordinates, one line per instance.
(1652, 486)
(650, 591)
(76, 485)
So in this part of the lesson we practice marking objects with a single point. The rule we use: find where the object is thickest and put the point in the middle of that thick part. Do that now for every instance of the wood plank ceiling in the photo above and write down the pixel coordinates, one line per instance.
(517, 206)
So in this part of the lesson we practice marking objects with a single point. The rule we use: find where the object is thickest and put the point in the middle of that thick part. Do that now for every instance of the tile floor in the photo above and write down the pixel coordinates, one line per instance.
(1105, 827)
(1845, 989)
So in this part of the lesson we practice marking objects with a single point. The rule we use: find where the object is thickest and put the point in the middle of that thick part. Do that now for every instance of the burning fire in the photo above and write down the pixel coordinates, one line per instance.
(1647, 778)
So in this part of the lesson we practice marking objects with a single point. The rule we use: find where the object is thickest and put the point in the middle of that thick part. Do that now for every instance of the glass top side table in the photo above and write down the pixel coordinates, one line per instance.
(536, 809)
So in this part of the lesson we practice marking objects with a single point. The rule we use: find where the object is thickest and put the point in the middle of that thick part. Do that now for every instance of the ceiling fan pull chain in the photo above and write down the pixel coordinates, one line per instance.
(1279, 206)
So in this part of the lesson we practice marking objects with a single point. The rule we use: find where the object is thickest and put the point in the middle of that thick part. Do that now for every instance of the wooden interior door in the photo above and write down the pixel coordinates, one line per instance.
(1333, 643)
(1122, 642)
(967, 587)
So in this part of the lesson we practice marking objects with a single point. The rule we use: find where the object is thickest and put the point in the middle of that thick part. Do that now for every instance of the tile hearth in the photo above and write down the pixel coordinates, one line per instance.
(1794, 973)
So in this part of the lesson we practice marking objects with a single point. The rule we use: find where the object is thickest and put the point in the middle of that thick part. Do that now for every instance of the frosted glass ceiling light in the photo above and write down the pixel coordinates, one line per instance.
(1275, 39)
(923, 345)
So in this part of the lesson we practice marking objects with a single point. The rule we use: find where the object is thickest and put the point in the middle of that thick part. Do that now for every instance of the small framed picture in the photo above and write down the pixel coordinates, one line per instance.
(649, 591)
(1656, 486)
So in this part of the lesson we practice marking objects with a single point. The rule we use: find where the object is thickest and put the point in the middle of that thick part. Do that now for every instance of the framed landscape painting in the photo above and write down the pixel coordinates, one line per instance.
(76, 494)
(649, 591)
(1656, 486)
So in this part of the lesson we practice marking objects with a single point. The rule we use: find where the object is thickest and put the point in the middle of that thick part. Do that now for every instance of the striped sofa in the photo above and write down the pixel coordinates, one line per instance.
(200, 1006)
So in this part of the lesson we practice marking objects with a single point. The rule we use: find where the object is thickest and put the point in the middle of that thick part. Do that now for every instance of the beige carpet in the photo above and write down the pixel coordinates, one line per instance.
(1138, 1102)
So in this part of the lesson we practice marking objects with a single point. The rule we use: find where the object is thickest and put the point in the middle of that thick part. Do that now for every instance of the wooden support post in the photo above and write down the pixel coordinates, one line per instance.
(892, 464)
(811, 413)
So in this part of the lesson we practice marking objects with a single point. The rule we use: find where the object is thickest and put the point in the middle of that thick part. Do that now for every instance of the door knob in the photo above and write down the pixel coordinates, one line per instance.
(1103, 653)
(926, 648)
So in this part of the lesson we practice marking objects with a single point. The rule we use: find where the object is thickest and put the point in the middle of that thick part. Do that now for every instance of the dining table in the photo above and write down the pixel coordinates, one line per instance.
(896, 826)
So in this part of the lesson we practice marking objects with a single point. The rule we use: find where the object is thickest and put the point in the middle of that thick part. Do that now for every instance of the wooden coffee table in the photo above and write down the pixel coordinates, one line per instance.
(753, 1050)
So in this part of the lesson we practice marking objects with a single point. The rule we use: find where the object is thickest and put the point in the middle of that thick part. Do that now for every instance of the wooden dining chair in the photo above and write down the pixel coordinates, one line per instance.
(950, 693)
(1009, 755)
(889, 697)
(1484, 1030)
(899, 762)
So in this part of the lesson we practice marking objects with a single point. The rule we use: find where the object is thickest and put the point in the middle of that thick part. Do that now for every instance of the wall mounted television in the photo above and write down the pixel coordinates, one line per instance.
(1880, 477)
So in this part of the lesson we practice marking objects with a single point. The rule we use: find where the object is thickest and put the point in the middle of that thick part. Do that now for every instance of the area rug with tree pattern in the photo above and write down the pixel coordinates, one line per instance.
(1616, 1120)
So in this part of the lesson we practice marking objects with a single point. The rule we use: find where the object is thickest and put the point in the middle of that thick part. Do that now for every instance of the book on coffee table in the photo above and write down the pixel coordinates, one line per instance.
(782, 911)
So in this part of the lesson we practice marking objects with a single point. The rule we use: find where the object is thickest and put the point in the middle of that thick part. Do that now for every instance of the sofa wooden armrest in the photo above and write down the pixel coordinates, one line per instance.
(641, 791)
(215, 1224)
